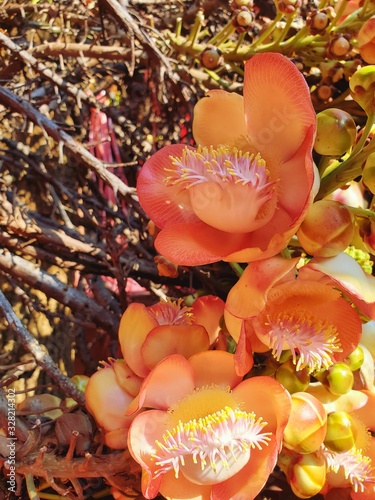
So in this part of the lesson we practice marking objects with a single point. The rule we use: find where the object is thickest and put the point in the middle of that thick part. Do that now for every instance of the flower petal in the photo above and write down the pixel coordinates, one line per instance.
(219, 119)
(248, 296)
(243, 357)
(195, 244)
(208, 311)
(182, 489)
(248, 482)
(278, 106)
(173, 339)
(348, 402)
(146, 428)
(166, 384)
(349, 276)
(161, 203)
(135, 325)
(268, 399)
(214, 367)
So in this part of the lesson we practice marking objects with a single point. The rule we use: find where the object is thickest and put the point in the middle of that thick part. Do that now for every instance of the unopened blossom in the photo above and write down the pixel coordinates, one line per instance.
(270, 308)
(205, 433)
(243, 192)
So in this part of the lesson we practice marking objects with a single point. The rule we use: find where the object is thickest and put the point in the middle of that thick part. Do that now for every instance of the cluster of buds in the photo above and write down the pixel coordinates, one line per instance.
(288, 6)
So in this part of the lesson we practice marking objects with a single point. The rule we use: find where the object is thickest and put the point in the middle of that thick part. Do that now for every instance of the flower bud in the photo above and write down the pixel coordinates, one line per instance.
(340, 434)
(340, 379)
(336, 132)
(307, 424)
(355, 359)
(292, 380)
(318, 21)
(210, 58)
(308, 475)
(242, 19)
(327, 230)
(366, 41)
(362, 87)
(368, 173)
(339, 46)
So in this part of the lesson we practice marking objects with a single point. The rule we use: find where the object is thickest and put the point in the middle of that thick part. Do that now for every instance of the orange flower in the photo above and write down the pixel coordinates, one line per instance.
(149, 334)
(366, 41)
(270, 309)
(208, 434)
(243, 192)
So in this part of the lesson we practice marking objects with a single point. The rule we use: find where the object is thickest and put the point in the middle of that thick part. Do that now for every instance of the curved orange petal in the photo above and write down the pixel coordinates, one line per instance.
(248, 482)
(278, 105)
(126, 378)
(351, 401)
(268, 399)
(214, 367)
(182, 489)
(219, 118)
(135, 325)
(195, 244)
(243, 357)
(247, 298)
(173, 339)
(117, 439)
(367, 412)
(161, 203)
(349, 277)
(167, 383)
(107, 401)
(144, 431)
(208, 311)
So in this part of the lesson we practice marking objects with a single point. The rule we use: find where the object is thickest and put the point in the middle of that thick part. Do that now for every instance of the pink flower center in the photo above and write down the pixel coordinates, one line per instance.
(311, 340)
(212, 448)
(172, 313)
(229, 190)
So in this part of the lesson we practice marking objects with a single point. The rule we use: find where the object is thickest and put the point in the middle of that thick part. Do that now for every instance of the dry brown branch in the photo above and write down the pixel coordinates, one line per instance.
(75, 50)
(23, 107)
(43, 359)
(31, 274)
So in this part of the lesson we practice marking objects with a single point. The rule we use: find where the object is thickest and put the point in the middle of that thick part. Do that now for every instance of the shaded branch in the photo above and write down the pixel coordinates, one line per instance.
(43, 359)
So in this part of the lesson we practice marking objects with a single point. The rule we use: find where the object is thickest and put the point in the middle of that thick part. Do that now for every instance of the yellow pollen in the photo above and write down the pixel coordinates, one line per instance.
(203, 401)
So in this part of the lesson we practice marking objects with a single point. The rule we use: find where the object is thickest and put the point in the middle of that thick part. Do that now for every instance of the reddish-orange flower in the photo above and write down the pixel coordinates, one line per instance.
(366, 41)
(270, 309)
(209, 435)
(243, 192)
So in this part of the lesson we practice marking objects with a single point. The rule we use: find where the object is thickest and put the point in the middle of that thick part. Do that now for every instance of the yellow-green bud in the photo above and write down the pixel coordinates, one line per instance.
(307, 424)
(362, 87)
(368, 173)
(340, 379)
(308, 475)
(336, 132)
(327, 230)
(355, 359)
(340, 435)
(291, 379)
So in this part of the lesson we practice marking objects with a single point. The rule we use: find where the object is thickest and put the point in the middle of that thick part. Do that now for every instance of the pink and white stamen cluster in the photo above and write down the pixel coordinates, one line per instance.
(311, 340)
(222, 164)
(357, 468)
(216, 437)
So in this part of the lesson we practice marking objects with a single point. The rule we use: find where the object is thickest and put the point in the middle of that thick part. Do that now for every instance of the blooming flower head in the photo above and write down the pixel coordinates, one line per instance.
(208, 434)
(270, 309)
(242, 193)
(149, 334)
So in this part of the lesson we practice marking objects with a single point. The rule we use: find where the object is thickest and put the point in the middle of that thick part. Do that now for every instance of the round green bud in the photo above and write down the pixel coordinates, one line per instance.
(291, 379)
(336, 132)
(340, 434)
(340, 379)
(362, 87)
(355, 359)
